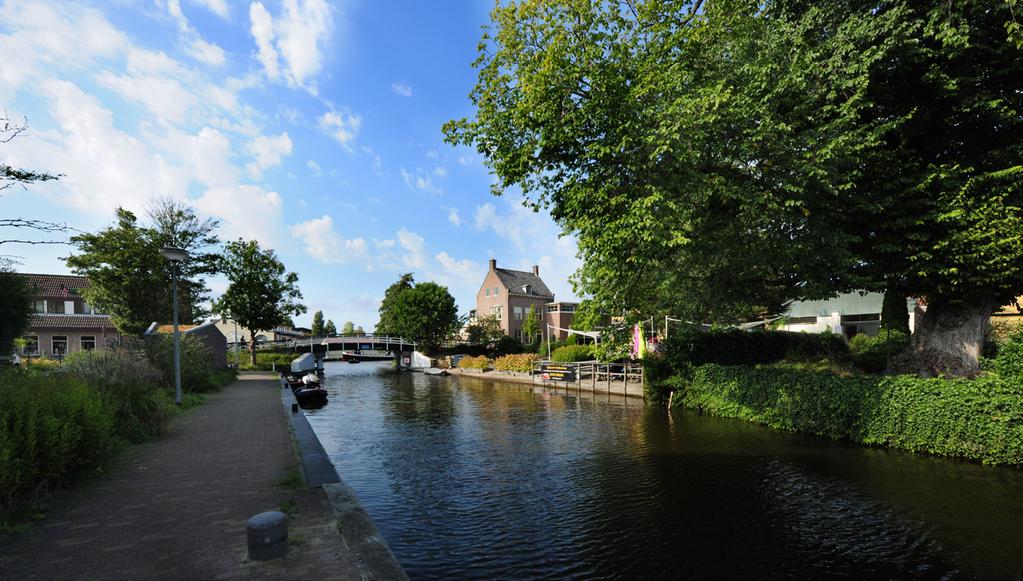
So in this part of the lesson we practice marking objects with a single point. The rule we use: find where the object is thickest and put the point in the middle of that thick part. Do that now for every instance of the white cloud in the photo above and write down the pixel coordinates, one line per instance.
(440, 172)
(292, 45)
(218, 7)
(464, 160)
(402, 89)
(315, 167)
(156, 82)
(420, 181)
(432, 154)
(453, 217)
(267, 152)
(341, 126)
(262, 30)
(377, 162)
(465, 272)
(246, 211)
(207, 53)
(414, 247)
(322, 241)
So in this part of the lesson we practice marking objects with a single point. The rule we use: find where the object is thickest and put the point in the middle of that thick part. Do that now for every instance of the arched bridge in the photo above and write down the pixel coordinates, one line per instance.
(345, 346)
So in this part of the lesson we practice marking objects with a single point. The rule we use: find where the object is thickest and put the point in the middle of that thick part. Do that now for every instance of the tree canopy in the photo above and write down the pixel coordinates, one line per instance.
(715, 160)
(131, 281)
(261, 294)
(317, 328)
(348, 328)
(329, 329)
(424, 312)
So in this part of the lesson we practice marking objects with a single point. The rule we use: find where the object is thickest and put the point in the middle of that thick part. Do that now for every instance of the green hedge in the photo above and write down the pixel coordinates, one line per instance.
(692, 346)
(572, 353)
(979, 419)
(481, 363)
(264, 361)
(871, 354)
(522, 363)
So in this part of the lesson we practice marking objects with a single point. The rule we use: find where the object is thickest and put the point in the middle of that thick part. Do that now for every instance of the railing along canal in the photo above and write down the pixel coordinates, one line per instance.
(590, 375)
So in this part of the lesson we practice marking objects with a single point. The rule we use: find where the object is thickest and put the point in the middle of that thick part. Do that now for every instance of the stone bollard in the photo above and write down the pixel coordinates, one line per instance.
(268, 536)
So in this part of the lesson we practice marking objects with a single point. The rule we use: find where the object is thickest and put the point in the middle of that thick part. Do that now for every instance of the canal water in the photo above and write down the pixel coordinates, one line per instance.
(474, 479)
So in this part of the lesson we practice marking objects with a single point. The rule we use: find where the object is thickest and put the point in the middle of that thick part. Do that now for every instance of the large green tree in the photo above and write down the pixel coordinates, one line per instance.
(330, 329)
(131, 281)
(424, 312)
(716, 159)
(261, 294)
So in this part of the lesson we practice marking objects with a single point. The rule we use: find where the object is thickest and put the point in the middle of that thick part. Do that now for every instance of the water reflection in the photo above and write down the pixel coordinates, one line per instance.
(470, 479)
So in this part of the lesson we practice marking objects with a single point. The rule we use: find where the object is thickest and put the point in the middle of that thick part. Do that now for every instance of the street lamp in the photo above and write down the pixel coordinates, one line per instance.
(174, 256)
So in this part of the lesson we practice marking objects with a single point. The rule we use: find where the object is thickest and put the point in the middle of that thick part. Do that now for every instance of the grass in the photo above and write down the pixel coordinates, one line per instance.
(291, 481)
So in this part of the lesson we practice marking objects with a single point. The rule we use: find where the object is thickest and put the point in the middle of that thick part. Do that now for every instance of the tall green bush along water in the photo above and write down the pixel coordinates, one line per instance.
(467, 478)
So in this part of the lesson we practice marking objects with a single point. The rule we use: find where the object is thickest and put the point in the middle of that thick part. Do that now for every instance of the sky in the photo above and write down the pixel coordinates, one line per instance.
(309, 126)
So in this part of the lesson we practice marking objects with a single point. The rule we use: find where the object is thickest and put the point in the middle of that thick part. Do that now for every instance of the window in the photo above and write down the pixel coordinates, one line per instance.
(567, 308)
(38, 306)
(486, 291)
(88, 342)
(518, 313)
(495, 311)
(58, 345)
(861, 318)
(56, 307)
(801, 321)
(552, 308)
(31, 345)
(495, 291)
(69, 307)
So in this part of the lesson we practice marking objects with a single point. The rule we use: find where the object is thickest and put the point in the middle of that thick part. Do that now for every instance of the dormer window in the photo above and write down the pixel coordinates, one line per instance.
(527, 289)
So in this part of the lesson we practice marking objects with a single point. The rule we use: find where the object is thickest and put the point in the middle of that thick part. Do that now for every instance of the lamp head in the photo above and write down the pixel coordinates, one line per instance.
(174, 254)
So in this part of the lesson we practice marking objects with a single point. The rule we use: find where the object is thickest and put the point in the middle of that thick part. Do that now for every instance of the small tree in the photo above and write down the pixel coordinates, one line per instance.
(317, 330)
(261, 294)
(329, 329)
(484, 330)
(359, 331)
(531, 326)
(348, 328)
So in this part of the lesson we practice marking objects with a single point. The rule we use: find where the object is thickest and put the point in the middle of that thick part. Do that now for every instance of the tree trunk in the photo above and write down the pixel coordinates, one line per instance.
(252, 350)
(948, 339)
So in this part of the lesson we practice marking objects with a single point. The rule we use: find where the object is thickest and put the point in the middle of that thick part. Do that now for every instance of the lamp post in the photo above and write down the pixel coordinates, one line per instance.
(174, 256)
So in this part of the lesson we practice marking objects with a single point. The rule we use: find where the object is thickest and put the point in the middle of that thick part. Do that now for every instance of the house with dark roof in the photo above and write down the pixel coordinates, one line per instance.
(508, 294)
(63, 322)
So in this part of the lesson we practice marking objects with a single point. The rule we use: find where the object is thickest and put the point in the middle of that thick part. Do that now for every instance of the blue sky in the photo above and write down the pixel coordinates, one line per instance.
(312, 127)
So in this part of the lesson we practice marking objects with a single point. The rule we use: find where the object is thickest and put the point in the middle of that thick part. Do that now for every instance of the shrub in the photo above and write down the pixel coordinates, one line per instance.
(522, 363)
(481, 363)
(691, 346)
(571, 353)
(1009, 361)
(196, 362)
(264, 361)
(871, 353)
(129, 385)
(50, 425)
(508, 345)
(979, 419)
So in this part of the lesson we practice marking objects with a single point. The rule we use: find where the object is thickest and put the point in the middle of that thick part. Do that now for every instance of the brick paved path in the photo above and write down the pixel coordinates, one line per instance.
(176, 507)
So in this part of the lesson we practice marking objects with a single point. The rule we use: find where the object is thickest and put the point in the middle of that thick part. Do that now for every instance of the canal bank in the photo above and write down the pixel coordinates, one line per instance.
(176, 507)
(613, 388)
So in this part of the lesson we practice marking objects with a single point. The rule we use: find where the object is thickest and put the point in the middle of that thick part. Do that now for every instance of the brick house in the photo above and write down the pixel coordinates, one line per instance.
(63, 322)
(507, 295)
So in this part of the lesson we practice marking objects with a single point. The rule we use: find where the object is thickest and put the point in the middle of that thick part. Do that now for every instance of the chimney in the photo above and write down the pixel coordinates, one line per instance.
(493, 263)
(536, 270)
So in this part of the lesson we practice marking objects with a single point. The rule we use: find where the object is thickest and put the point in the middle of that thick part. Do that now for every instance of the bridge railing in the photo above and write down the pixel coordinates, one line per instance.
(308, 341)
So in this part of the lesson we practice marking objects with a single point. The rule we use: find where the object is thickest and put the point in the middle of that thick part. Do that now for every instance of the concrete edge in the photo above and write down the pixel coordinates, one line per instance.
(372, 554)
(375, 559)
(499, 377)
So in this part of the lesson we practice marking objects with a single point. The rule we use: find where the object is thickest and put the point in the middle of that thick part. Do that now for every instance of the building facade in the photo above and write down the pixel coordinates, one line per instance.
(63, 322)
(848, 314)
(507, 295)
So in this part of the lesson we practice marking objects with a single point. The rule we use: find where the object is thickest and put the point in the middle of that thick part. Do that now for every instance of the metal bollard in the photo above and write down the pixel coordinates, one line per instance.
(268, 536)
(294, 408)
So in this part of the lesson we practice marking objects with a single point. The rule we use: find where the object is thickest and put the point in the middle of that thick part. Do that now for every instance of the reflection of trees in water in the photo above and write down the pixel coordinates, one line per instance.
(417, 397)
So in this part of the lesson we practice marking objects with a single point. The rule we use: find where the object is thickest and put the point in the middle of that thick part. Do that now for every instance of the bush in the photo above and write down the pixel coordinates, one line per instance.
(264, 361)
(196, 362)
(980, 419)
(508, 345)
(1009, 361)
(871, 353)
(50, 426)
(522, 363)
(691, 346)
(481, 363)
(129, 385)
(572, 353)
